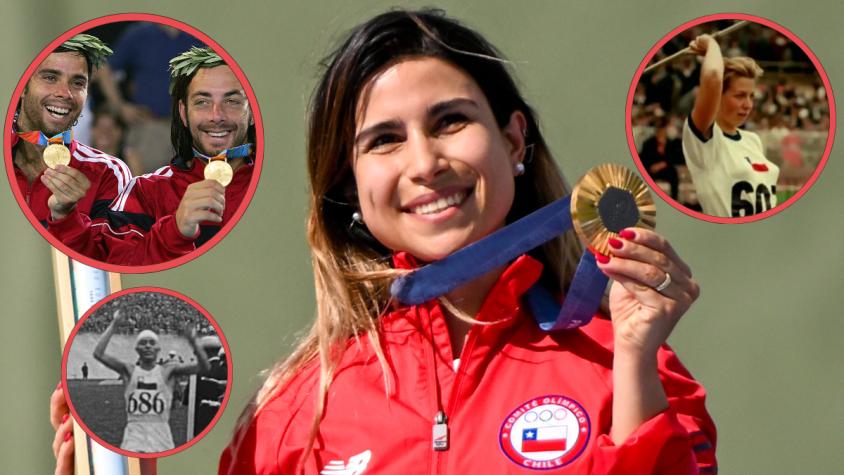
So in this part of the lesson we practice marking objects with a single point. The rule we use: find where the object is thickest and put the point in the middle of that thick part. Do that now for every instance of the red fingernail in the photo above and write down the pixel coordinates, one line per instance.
(627, 234)
(59, 386)
(64, 418)
(615, 243)
(67, 436)
(602, 258)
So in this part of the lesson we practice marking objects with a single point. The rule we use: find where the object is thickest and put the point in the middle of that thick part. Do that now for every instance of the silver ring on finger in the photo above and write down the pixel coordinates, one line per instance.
(665, 283)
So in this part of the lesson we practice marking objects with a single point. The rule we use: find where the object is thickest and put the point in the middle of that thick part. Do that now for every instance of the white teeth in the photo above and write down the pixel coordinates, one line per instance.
(218, 134)
(440, 204)
(58, 110)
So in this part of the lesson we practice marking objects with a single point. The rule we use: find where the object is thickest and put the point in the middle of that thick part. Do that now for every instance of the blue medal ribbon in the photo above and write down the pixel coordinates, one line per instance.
(499, 248)
(228, 154)
(38, 138)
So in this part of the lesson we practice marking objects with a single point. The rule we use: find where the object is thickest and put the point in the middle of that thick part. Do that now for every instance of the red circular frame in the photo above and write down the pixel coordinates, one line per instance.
(706, 19)
(259, 145)
(223, 341)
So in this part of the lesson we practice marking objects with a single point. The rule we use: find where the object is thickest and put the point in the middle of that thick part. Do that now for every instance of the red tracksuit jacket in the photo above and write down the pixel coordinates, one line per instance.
(140, 228)
(521, 402)
(109, 176)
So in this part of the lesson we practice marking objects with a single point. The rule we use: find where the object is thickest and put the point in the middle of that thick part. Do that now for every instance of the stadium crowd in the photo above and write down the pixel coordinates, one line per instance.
(161, 313)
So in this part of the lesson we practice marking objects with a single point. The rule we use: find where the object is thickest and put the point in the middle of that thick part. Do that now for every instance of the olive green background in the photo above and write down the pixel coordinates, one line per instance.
(764, 337)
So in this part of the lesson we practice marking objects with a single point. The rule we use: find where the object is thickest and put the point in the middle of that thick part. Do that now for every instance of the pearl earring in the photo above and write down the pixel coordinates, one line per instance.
(520, 169)
(357, 218)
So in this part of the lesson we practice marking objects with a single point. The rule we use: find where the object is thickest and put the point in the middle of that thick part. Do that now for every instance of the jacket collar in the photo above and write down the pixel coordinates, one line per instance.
(505, 295)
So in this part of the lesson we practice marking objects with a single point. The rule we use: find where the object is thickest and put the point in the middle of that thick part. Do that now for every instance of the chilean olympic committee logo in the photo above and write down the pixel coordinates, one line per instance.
(546, 432)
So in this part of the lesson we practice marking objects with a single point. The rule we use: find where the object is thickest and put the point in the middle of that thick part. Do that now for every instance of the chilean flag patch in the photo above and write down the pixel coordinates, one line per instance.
(546, 432)
(544, 439)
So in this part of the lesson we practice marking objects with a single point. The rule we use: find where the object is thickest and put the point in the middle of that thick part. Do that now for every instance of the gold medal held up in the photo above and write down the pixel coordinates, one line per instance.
(219, 170)
(56, 154)
(608, 199)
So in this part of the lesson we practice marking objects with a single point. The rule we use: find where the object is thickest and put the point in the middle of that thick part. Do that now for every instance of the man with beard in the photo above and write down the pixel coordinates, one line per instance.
(56, 174)
(169, 213)
(148, 387)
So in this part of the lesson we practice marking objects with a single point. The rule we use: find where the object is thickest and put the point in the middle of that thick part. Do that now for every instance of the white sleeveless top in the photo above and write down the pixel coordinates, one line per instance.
(148, 396)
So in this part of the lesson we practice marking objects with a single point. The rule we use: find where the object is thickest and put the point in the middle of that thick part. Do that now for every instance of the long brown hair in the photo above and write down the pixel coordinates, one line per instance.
(351, 270)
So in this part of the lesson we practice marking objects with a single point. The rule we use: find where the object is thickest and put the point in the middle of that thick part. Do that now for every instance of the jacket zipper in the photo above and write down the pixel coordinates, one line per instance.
(440, 457)
(439, 428)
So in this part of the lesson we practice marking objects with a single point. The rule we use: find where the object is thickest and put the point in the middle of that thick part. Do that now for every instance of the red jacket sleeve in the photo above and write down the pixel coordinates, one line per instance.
(274, 441)
(256, 447)
(109, 178)
(114, 178)
(132, 233)
(680, 440)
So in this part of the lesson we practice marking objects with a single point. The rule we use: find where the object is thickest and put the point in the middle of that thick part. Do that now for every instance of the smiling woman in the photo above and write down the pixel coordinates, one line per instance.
(434, 171)
(419, 144)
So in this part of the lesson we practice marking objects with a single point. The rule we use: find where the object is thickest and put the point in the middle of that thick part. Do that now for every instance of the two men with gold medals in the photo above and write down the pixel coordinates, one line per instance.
(169, 213)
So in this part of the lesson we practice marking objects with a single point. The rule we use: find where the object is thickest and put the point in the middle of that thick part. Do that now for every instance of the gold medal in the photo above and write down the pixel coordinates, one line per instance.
(219, 170)
(56, 154)
(608, 199)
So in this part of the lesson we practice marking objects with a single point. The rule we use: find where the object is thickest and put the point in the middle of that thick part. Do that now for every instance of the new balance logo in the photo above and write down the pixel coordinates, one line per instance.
(356, 465)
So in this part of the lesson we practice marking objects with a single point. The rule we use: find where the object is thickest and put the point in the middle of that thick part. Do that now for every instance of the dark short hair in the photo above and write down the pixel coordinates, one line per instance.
(80, 53)
(89, 46)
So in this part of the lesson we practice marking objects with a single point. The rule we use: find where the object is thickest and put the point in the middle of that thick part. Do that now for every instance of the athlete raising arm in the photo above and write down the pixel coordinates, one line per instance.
(732, 176)
(148, 386)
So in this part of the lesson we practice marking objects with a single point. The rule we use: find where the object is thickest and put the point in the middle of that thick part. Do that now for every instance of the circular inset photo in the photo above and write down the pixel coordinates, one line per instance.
(134, 143)
(730, 118)
(146, 372)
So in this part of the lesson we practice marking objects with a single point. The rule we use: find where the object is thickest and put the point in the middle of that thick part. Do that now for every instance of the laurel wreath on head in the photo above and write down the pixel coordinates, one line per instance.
(92, 47)
(188, 62)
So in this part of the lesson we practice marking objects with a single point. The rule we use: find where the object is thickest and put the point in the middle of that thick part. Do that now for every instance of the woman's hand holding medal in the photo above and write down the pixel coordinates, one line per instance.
(653, 288)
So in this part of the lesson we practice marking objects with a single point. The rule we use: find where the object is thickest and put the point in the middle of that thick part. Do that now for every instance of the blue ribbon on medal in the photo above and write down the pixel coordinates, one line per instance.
(38, 138)
(606, 200)
(228, 154)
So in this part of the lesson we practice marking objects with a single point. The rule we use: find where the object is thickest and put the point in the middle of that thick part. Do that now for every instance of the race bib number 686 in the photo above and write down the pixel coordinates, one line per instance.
(145, 402)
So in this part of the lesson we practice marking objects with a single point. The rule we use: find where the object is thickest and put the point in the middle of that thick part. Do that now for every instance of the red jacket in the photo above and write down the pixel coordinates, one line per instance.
(108, 177)
(141, 226)
(522, 401)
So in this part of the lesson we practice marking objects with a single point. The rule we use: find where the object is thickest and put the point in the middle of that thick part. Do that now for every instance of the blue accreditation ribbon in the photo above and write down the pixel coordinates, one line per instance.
(499, 248)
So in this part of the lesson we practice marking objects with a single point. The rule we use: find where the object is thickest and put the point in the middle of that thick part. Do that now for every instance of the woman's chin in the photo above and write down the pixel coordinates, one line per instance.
(437, 246)
(425, 256)
(436, 250)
